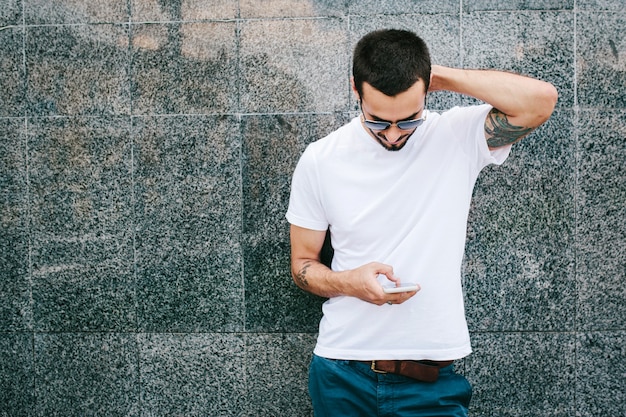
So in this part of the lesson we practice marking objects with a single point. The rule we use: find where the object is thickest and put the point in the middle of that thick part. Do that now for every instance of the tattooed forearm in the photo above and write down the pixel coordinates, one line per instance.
(500, 132)
(301, 276)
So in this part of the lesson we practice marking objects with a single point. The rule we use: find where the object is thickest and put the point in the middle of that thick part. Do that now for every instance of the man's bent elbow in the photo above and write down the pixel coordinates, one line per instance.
(548, 97)
(299, 273)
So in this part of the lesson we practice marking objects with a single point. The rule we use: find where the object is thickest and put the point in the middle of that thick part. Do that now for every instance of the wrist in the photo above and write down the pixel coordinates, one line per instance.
(444, 78)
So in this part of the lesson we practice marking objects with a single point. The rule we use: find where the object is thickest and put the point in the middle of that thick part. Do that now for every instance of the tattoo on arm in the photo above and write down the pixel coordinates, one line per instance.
(500, 132)
(301, 276)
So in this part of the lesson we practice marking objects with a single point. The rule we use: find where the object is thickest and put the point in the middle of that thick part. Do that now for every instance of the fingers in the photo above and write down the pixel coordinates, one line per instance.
(398, 298)
(383, 269)
(368, 288)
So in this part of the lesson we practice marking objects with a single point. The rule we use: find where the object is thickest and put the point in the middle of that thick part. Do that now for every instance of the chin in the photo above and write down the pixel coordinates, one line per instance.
(392, 147)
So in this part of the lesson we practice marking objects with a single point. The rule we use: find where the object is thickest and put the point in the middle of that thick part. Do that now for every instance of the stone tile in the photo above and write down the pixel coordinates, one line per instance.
(184, 68)
(81, 208)
(601, 5)
(188, 216)
(439, 31)
(184, 10)
(272, 147)
(601, 59)
(10, 13)
(277, 374)
(601, 210)
(192, 374)
(487, 5)
(399, 7)
(519, 260)
(12, 76)
(290, 8)
(17, 397)
(15, 306)
(537, 44)
(522, 374)
(39, 12)
(306, 70)
(86, 374)
(77, 70)
(273, 301)
(601, 373)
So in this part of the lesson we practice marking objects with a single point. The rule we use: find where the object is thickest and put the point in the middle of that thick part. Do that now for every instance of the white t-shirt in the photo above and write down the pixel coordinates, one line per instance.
(407, 209)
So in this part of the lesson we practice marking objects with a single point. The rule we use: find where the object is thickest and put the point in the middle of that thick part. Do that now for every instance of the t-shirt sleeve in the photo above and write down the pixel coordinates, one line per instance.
(473, 118)
(305, 204)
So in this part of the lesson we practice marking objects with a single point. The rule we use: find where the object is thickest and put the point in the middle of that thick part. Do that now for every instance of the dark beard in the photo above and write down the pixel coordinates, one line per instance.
(393, 147)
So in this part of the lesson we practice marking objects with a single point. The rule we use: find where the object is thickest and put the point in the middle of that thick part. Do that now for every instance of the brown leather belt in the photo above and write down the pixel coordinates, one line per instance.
(425, 371)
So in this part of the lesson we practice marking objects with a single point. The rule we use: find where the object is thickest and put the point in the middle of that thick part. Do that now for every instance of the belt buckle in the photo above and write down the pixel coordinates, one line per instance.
(373, 368)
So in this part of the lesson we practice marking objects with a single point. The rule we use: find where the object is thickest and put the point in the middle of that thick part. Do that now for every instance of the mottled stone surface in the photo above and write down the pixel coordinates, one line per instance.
(399, 7)
(188, 224)
(146, 154)
(532, 43)
(17, 396)
(601, 5)
(601, 201)
(276, 70)
(277, 368)
(601, 63)
(184, 68)
(12, 75)
(38, 12)
(520, 257)
(489, 5)
(86, 374)
(601, 371)
(291, 8)
(80, 194)
(77, 70)
(11, 12)
(272, 145)
(15, 305)
(523, 374)
(183, 10)
(192, 374)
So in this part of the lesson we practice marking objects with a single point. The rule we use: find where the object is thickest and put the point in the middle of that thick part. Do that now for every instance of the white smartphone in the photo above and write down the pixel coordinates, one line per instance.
(405, 287)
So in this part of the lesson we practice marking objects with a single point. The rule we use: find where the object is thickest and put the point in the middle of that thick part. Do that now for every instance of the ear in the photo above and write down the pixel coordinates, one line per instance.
(354, 90)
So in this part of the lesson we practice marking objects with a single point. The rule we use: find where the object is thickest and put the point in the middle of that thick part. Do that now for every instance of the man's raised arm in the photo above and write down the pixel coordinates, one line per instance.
(520, 104)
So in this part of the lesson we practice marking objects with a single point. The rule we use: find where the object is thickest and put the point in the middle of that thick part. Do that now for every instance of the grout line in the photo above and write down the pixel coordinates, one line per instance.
(575, 54)
(245, 337)
(576, 163)
(239, 116)
(133, 199)
(576, 123)
(461, 54)
(176, 22)
(29, 227)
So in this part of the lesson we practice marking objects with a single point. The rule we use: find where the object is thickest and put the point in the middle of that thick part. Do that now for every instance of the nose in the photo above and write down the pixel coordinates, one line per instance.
(392, 134)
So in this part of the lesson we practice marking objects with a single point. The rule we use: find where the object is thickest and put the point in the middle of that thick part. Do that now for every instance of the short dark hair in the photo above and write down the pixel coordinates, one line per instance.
(391, 61)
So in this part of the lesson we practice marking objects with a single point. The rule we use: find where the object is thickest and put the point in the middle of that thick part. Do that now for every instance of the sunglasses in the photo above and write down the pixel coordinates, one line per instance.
(379, 125)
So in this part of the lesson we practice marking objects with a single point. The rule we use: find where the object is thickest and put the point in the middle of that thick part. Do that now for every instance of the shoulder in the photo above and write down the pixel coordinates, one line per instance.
(467, 113)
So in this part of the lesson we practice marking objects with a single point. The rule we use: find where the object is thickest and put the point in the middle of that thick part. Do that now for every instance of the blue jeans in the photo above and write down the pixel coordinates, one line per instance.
(351, 388)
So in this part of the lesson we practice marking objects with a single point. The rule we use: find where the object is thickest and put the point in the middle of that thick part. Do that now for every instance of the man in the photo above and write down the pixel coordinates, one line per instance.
(393, 187)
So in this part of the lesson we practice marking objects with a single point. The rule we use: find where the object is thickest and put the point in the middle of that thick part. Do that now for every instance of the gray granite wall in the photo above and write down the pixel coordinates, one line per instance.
(146, 149)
